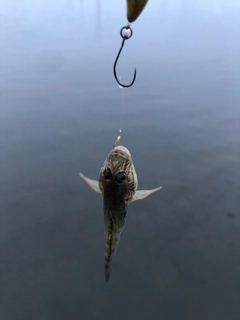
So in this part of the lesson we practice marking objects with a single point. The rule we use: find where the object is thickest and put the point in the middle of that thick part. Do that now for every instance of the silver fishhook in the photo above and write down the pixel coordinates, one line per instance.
(115, 63)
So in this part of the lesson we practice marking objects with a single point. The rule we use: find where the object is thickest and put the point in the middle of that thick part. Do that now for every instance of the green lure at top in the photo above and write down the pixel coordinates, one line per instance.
(134, 8)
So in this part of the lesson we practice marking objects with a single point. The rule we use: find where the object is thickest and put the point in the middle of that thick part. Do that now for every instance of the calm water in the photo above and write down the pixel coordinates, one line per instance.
(60, 112)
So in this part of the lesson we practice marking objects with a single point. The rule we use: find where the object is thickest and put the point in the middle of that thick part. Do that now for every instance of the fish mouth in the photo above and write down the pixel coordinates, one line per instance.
(123, 149)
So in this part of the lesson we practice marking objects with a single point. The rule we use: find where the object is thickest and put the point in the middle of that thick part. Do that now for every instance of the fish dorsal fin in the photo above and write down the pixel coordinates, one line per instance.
(141, 194)
(92, 183)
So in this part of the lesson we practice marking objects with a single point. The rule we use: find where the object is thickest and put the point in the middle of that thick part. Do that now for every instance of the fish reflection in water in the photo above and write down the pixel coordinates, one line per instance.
(118, 185)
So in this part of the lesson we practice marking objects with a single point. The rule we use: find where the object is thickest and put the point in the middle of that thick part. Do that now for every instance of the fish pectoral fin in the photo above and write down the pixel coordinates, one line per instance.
(141, 194)
(92, 183)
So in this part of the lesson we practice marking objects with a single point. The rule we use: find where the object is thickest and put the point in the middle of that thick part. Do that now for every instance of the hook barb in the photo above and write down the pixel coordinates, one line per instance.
(115, 63)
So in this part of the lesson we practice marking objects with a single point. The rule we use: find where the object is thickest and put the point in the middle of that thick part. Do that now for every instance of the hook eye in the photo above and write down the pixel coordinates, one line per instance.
(120, 177)
(107, 173)
(126, 32)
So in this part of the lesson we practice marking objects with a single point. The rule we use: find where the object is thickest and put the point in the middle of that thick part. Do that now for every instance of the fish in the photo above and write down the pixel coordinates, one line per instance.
(117, 184)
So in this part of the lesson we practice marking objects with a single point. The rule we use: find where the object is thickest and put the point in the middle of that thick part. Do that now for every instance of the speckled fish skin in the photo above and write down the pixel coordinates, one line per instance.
(116, 198)
(119, 160)
(118, 185)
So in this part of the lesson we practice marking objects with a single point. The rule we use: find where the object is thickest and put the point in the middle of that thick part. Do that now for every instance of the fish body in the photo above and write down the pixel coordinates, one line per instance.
(117, 184)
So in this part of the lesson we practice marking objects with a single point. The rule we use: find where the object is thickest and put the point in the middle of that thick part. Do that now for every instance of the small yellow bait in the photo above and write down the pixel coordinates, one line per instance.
(118, 138)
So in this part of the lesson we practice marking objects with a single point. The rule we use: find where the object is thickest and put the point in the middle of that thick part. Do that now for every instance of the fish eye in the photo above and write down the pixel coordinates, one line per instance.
(107, 173)
(120, 177)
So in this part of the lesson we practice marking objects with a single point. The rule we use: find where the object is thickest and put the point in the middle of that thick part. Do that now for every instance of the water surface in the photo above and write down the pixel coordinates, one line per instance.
(60, 112)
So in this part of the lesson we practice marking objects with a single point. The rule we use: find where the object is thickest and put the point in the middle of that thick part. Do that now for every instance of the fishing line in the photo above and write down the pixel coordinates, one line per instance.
(134, 8)
(120, 118)
(126, 33)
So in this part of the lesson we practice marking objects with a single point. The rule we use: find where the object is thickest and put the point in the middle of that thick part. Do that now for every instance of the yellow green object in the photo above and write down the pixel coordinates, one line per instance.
(134, 8)
(118, 138)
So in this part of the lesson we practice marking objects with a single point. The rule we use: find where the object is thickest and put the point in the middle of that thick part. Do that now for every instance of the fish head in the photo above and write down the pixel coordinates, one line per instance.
(118, 178)
(117, 175)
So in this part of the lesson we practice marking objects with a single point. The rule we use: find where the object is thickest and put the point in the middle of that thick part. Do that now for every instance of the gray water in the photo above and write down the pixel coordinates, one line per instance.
(60, 113)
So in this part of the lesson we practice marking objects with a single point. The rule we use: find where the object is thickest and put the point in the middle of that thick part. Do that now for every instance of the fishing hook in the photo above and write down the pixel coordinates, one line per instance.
(124, 37)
